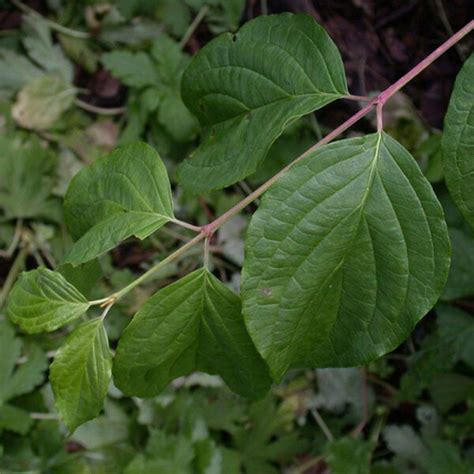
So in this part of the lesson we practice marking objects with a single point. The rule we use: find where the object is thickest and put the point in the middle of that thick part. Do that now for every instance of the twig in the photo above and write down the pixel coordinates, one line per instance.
(15, 270)
(44, 416)
(302, 468)
(52, 24)
(365, 404)
(192, 27)
(322, 424)
(447, 26)
(160, 265)
(15, 240)
(99, 110)
(379, 110)
(192, 227)
(207, 241)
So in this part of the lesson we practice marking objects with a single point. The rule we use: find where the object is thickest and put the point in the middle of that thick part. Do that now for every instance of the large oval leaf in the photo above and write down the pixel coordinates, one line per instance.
(43, 300)
(458, 142)
(123, 194)
(193, 324)
(81, 372)
(346, 253)
(246, 88)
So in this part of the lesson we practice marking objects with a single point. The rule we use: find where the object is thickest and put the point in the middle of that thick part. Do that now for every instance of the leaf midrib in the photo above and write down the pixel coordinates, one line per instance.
(359, 209)
(269, 104)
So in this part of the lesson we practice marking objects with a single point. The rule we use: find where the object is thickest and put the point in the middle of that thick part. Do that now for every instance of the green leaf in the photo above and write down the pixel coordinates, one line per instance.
(39, 44)
(268, 440)
(347, 252)
(349, 456)
(449, 389)
(456, 330)
(80, 52)
(193, 324)
(43, 300)
(224, 15)
(27, 179)
(175, 117)
(170, 61)
(15, 419)
(80, 373)
(18, 380)
(15, 72)
(83, 277)
(123, 194)
(169, 454)
(133, 69)
(109, 429)
(445, 457)
(246, 88)
(27, 375)
(41, 102)
(460, 282)
(458, 142)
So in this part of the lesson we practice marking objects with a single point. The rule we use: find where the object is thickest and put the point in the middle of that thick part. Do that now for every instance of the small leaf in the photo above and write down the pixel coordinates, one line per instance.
(18, 380)
(17, 71)
(15, 419)
(456, 330)
(347, 252)
(246, 88)
(458, 142)
(27, 375)
(41, 102)
(133, 69)
(193, 324)
(445, 457)
(460, 282)
(27, 179)
(43, 300)
(39, 44)
(80, 373)
(123, 194)
(349, 456)
(109, 429)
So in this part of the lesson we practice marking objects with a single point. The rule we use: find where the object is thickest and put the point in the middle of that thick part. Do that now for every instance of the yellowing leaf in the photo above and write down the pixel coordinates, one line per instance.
(41, 102)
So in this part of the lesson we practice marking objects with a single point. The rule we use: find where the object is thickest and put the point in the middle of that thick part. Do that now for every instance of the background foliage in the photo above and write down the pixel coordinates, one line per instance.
(79, 78)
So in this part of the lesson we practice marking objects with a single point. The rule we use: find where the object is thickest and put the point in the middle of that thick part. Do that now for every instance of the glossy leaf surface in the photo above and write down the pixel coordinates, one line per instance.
(43, 300)
(347, 252)
(246, 88)
(193, 324)
(458, 142)
(80, 373)
(123, 194)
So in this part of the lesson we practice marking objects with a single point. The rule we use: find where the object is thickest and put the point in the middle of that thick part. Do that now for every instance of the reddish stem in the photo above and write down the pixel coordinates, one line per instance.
(395, 87)
(378, 101)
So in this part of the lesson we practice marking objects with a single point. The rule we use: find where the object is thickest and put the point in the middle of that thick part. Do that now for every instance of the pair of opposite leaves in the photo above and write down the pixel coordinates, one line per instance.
(347, 251)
